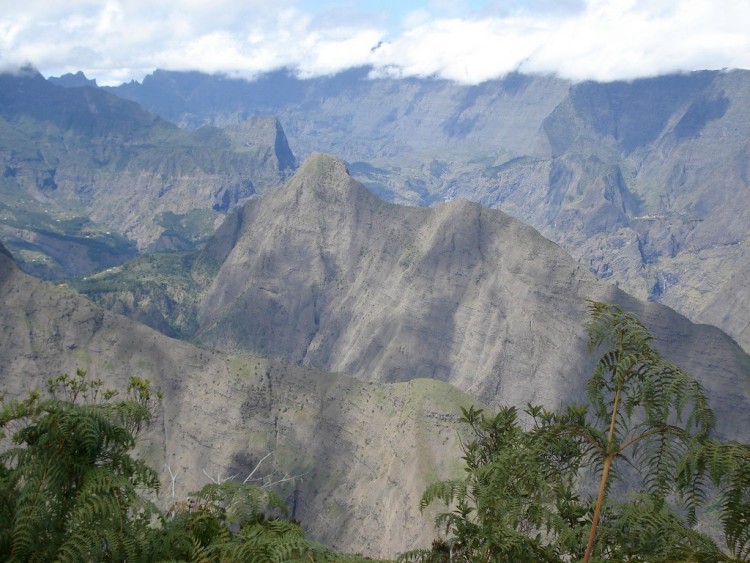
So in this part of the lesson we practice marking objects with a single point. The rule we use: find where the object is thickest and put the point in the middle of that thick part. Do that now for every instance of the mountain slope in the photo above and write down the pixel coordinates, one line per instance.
(366, 451)
(676, 152)
(365, 119)
(322, 273)
(645, 183)
(81, 164)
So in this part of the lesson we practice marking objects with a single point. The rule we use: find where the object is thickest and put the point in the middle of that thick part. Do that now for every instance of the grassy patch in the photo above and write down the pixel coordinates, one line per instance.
(159, 289)
(196, 225)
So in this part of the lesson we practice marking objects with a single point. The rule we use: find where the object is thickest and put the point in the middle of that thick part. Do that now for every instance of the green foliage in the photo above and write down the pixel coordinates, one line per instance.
(527, 494)
(70, 489)
(645, 402)
(518, 501)
(646, 529)
(159, 289)
(237, 522)
(727, 465)
(203, 522)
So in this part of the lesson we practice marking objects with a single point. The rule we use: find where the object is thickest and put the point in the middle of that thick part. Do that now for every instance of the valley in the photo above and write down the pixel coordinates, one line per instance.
(91, 180)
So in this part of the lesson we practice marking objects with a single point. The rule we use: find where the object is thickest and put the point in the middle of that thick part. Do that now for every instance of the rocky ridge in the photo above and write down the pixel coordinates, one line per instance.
(89, 178)
(323, 273)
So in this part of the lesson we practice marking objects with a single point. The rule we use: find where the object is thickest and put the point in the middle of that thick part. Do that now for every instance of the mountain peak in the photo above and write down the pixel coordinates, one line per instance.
(326, 178)
(319, 163)
(71, 80)
(321, 272)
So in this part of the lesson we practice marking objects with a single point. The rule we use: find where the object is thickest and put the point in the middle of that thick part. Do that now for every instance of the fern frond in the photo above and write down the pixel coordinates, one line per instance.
(445, 491)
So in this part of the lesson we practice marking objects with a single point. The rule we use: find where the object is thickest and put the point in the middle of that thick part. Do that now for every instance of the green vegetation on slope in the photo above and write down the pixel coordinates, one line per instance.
(195, 226)
(47, 241)
(160, 289)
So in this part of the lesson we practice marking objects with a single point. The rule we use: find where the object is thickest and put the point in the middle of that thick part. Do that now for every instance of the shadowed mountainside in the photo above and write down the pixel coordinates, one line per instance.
(87, 174)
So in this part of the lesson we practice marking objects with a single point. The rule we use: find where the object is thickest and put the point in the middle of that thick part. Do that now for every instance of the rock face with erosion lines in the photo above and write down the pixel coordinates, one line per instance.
(646, 183)
(322, 273)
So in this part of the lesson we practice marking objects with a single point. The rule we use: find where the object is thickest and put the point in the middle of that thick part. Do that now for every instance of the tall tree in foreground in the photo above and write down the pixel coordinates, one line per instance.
(518, 500)
(522, 497)
(643, 410)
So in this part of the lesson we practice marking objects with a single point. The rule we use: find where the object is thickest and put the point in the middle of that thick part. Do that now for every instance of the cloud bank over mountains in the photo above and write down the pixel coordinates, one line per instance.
(470, 41)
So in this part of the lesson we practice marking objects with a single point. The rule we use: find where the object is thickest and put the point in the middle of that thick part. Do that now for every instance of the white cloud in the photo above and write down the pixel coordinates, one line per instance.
(118, 40)
(336, 52)
(462, 50)
(628, 39)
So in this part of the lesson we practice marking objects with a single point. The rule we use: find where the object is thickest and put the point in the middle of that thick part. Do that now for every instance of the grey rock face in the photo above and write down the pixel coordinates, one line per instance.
(323, 273)
(88, 178)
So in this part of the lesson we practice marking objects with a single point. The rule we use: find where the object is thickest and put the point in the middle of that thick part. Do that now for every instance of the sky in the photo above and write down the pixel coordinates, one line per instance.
(468, 41)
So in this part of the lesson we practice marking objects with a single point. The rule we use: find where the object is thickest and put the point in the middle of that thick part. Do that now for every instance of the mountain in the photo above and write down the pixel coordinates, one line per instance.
(89, 179)
(367, 119)
(322, 273)
(365, 450)
(671, 156)
(645, 183)
(71, 80)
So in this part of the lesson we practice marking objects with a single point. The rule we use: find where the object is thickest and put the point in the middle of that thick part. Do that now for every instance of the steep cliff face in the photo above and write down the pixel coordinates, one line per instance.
(323, 273)
(81, 164)
(679, 146)
(646, 184)
(365, 451)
